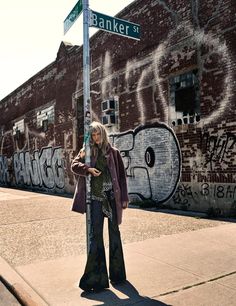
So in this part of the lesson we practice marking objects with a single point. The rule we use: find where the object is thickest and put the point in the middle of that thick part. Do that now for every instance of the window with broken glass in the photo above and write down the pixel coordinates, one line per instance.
(184, 99)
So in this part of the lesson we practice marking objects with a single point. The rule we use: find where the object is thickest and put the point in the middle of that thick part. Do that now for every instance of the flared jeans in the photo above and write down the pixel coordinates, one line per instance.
(95, 276)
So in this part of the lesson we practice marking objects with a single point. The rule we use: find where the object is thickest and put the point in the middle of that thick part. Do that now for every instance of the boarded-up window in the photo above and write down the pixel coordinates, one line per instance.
(45, 116)
(18, 127)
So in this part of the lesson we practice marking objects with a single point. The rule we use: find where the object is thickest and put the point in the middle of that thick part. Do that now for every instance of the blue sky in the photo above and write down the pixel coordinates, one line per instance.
(31, 32)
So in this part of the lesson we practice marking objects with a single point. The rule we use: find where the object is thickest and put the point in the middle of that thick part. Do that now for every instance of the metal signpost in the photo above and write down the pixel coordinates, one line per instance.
(106, 23)
(87, 113)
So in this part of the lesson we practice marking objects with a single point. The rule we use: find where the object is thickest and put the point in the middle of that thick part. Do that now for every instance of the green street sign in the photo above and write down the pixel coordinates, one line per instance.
(115, 25)
(74, 14)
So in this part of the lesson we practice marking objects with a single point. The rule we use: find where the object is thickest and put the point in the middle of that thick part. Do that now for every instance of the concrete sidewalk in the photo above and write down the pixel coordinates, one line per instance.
(191, 268)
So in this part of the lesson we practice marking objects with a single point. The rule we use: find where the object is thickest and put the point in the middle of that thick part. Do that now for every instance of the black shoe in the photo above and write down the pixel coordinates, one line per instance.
(86, 289)
(95, 289)
(98, 289)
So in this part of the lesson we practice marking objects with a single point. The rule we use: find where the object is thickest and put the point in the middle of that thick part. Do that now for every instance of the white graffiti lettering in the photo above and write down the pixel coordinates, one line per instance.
(152, 160)
(44, 169)
(4, 172)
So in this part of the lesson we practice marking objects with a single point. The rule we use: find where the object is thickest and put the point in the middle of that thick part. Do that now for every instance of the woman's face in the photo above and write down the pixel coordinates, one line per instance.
(96, 137)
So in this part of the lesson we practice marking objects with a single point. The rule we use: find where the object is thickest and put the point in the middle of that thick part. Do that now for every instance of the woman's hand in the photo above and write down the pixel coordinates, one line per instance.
(94, 171)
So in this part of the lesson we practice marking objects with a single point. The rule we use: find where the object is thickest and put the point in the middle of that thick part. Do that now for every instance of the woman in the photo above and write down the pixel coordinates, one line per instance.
(109, 197)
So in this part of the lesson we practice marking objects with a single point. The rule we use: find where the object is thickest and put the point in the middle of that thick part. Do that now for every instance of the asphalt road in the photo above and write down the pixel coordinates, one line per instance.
(35, 227)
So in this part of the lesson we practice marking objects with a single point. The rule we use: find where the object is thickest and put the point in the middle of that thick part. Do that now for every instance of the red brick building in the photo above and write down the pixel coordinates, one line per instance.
(177, 82)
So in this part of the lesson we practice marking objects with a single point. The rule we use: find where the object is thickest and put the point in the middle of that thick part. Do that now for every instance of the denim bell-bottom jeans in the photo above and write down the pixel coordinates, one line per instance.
(95, 275)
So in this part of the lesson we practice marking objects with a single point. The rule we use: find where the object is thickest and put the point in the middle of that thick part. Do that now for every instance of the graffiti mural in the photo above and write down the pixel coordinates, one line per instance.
(45, 168)
(152, 160)
(218, 149)
(4, 171)
(183, 196)
(214, 158)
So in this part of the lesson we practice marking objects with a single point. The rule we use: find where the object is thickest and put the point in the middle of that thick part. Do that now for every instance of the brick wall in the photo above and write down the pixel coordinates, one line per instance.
(176, 37)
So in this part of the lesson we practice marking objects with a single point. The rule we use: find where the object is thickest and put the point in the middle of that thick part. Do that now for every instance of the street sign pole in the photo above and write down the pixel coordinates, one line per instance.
(87, 113)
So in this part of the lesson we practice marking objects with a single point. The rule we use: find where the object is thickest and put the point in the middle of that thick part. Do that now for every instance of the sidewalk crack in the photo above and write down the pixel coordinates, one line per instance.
(197, 284)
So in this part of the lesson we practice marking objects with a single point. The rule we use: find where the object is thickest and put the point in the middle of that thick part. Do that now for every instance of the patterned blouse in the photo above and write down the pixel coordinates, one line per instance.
(101, 186)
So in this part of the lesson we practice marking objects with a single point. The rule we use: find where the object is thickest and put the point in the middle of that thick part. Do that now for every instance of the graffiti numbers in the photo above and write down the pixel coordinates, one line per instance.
(205, 189)
(218, 191)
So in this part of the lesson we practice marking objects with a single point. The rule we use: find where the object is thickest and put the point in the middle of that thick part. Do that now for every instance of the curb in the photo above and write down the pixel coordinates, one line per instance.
(23, 292)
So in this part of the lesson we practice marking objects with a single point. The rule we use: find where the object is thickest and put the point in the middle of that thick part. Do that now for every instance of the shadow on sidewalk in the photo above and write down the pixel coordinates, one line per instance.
(110, 298)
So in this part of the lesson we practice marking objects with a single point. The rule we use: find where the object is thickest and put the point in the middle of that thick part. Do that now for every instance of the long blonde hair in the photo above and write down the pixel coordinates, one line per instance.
(98, 127)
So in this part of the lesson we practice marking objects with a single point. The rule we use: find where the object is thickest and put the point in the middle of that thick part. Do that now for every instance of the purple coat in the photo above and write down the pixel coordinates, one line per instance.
(118, 176)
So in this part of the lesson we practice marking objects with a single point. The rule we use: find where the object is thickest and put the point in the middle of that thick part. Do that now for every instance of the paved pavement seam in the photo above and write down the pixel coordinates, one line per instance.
(39, 220)
(189, 271)
(167, 263)
(198, 284)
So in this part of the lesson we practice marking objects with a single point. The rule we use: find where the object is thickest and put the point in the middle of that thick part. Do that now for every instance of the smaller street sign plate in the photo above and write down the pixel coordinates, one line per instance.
(74, 14)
